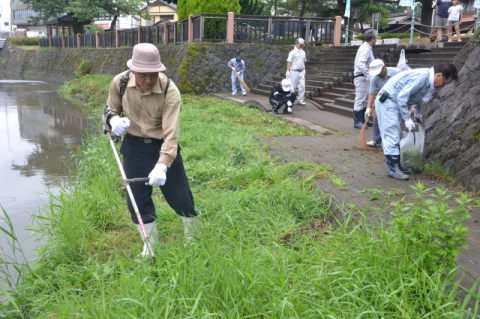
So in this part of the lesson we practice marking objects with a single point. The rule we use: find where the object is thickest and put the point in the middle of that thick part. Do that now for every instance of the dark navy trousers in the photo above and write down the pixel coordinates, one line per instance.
(139, 157)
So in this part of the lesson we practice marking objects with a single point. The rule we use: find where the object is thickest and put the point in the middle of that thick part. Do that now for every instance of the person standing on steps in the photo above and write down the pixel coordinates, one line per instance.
(296, 69)
(281, 95)
(238, 68)
(393, 103)
(441, 19)
(361, 76)
(379, 75)
(145, 105)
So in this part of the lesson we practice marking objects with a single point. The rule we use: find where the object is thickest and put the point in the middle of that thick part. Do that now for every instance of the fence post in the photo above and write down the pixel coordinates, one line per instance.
(230, 26)
(139, 34)
(269, 29)
(97, 39)
(165, 33)
(307, 32)
(202, 24)
(78, 40)
(337, 31)
(117, 38)
(190, 28)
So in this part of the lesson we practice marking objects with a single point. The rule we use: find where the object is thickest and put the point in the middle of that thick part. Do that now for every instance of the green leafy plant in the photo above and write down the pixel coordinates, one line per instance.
(430, 229)
(24, 41)
(83, 68)
(436, 170)
(338, 182)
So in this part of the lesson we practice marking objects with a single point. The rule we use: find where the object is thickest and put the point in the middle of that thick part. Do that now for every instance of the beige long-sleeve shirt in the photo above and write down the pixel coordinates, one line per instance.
(150, 115)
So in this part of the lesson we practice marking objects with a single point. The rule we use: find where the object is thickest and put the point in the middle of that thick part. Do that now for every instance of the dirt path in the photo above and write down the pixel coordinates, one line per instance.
(361, 179)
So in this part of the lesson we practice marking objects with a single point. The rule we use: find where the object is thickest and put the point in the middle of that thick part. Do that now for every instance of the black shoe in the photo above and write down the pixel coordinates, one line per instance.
(275, 111)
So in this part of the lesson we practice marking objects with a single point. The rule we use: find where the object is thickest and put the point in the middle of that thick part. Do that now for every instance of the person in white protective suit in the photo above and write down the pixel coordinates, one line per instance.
(405, 89)
(361, 76)
(296, 69)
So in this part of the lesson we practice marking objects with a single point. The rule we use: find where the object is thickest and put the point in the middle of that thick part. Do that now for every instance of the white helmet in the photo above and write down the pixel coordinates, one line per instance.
(286, 85)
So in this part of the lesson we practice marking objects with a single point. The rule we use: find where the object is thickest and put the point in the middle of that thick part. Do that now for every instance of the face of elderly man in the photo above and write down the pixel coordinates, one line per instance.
(146, 81)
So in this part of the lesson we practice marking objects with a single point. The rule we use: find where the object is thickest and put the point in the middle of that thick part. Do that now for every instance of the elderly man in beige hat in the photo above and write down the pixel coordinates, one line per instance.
(145, 105)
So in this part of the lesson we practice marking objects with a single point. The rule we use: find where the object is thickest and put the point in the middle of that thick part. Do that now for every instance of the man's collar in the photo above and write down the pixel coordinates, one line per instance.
(431, 78)
(156, 88)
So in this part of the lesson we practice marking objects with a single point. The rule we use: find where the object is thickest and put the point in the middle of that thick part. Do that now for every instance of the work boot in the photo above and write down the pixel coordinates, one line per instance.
(190, 226)
(393, 167)
(152, 232)
(358, 118)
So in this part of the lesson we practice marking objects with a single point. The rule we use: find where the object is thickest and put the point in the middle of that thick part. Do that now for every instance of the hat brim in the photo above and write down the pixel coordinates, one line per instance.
(375, 72)
(159, 67)
(286, 88)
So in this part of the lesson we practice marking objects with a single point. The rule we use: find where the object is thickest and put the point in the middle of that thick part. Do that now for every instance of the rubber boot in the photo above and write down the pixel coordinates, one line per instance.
(152, 232)
(190, 226)
(404, 170)
(358, 118)
(393, 167)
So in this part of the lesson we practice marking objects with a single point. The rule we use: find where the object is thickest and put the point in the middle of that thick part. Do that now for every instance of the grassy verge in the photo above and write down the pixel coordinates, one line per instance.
(266, 248)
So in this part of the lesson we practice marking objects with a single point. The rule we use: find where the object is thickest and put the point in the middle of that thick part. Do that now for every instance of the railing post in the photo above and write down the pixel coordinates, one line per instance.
(63, 42)
(139, 34)
(97, 39)
(165, 33)
(78, 41)
(269, 29)
(337, 31)
(307, 32)
(202, 27)
(190, 28)
(230, 26)
(174, 33)
(117, 38)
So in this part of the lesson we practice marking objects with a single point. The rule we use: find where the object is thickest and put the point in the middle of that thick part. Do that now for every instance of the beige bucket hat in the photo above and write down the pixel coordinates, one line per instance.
(145, 59)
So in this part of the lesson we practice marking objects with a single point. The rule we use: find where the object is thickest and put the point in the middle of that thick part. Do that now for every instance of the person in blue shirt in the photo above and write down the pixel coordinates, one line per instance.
(441, 19)
(405, 89)
(379, 74)
(238, 67)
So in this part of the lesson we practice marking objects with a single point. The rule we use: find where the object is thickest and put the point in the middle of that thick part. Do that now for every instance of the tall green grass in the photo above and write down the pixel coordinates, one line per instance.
(267, 246)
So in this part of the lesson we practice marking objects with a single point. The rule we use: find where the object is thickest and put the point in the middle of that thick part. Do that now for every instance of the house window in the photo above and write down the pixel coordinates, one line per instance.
(6, 24)
(166, 17)
(24, 14)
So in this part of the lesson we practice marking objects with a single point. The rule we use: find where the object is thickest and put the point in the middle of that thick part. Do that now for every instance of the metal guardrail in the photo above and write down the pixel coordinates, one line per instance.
(211, 27)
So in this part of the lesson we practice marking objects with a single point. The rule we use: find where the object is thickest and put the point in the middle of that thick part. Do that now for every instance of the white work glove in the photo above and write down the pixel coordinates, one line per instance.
(287, 74)
(233, 69)
(289, 109)
(158, 175)
(289, 103)
(119, 125)
(409, 125)
(368, 112)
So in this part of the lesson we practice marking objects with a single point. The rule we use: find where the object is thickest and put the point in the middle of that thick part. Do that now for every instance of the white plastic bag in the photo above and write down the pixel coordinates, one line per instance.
(402, 62)
(411, 149)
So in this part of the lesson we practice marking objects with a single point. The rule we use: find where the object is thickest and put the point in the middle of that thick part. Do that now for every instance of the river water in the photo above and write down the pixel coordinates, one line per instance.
(38, 132)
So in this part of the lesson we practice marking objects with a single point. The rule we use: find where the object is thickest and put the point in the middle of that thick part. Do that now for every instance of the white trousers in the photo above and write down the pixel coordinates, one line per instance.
(389, 120)
(234, 83)
(298, 80)
(361, 93)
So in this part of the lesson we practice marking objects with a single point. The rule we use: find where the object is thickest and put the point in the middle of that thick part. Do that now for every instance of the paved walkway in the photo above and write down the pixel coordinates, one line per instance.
(363, 172)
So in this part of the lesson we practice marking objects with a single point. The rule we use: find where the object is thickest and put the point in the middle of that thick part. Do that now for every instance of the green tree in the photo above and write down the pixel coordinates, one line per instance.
(186, 7)
(253, 7)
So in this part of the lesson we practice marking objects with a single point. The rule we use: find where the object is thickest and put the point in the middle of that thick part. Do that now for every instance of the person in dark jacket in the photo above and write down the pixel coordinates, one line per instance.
(282, 96)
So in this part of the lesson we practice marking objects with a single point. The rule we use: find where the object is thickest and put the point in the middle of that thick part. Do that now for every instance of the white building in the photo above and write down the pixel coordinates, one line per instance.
(5, 16)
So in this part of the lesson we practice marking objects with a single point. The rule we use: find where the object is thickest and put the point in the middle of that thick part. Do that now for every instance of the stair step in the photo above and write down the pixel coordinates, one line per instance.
(332, 95)
(342, 110)
(342, 90)
(345, 102)
(323, 100)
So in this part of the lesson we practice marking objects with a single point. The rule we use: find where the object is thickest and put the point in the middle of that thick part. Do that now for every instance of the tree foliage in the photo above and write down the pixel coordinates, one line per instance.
(186, 7)
(253, 7)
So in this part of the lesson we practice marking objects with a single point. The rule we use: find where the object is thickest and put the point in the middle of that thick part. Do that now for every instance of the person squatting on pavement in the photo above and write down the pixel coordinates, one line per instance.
(392, 104)
(379, 75)
(238, 67)
(148, 112)
(361, 76)
(281, 95)
(296, 69)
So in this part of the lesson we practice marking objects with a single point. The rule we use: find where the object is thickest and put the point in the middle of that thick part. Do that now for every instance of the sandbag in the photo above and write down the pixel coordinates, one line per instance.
(402, 62)
(411, 149)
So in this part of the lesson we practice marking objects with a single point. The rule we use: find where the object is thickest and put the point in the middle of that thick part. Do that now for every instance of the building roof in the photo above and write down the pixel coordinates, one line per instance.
(162, 3)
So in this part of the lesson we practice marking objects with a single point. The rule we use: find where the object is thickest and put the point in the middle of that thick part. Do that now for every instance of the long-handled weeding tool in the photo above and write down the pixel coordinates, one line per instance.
(127, 183)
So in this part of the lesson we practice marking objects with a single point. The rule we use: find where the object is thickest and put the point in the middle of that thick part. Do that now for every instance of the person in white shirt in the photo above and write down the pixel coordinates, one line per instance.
(361, 76)
(454, 17)
(296, 69)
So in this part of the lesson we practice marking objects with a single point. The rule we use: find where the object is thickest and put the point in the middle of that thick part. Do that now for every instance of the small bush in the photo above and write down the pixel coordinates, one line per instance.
(24, 41)
(404, 35)
(83, 68)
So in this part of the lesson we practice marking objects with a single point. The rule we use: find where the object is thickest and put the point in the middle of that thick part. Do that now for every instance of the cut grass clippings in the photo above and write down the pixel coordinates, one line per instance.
(265, 248)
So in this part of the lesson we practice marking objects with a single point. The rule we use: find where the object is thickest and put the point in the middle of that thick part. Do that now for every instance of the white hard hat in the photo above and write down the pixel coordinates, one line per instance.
(286, 85)
(300, 41)
(376, 67)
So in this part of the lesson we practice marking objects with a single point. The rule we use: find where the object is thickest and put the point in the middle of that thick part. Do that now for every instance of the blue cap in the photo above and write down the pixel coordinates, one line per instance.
(239, 59)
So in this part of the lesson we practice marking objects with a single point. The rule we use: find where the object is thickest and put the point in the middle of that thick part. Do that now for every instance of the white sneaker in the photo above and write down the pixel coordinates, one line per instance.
(372, 143)
(234, 93)
(289, 109)
(244, 94)
(152, 232)
(302, 102)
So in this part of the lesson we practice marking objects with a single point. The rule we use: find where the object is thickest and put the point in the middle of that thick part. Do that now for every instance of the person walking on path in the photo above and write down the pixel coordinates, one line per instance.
(379, 75)
(296, 69)
(145, 105)
(281, 95)
(238, 69)
(454, 18)
(441, 19)
(393, 102)
(361, 76)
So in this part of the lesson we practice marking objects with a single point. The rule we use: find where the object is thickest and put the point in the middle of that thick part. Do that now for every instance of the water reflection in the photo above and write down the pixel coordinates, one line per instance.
(38, 131)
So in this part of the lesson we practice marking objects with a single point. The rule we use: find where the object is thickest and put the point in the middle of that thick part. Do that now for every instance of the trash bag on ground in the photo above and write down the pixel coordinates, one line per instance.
(402, 62)
(411, 149)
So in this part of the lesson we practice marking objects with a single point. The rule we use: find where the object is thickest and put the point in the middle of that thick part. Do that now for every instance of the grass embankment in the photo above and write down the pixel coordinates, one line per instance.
(265, 248)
